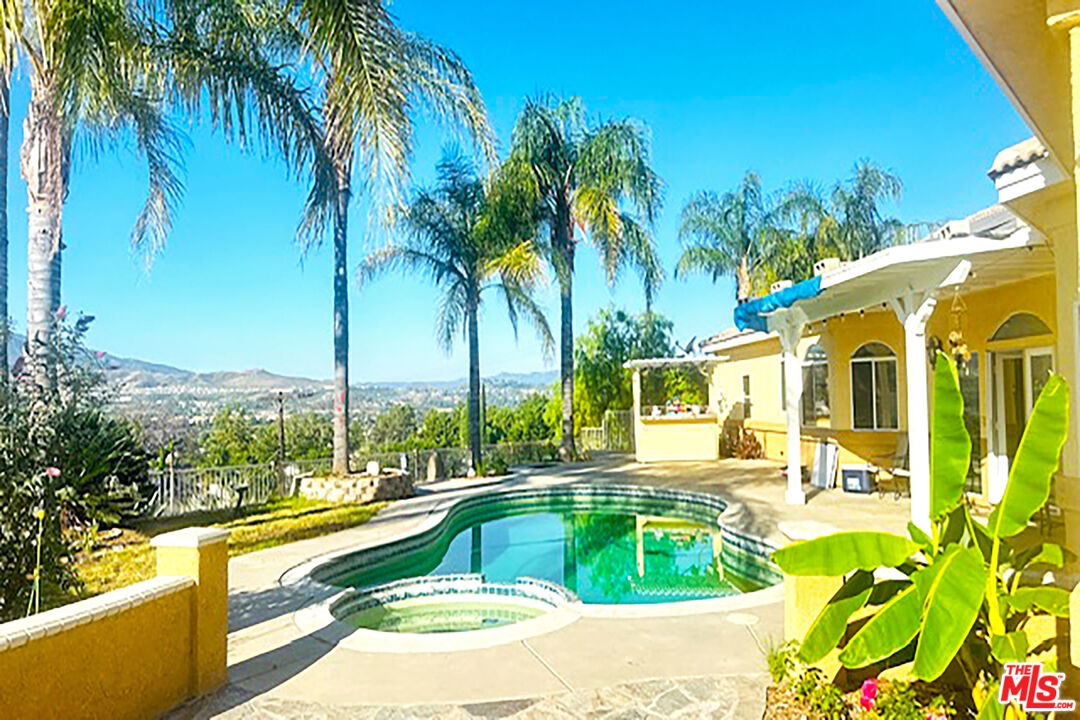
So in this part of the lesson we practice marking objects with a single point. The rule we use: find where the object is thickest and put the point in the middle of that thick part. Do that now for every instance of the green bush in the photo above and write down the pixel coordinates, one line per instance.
(63, 458)
(821, 695)
(959, 606)
(780, 658)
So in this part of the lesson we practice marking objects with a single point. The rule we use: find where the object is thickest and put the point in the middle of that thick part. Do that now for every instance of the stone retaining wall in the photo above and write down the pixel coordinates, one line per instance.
(390, 484)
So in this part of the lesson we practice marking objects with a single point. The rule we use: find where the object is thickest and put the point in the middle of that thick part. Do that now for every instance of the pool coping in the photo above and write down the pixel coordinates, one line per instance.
(316, 619)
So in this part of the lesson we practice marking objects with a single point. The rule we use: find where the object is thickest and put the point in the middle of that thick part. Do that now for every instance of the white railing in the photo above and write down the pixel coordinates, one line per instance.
(182, 490)
(616, 434)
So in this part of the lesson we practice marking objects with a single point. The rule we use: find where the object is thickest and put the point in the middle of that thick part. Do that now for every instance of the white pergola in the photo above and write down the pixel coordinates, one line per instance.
(907, 279)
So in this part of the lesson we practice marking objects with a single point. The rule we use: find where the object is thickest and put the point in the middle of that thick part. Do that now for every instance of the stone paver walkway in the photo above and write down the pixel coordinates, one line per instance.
(698, 698)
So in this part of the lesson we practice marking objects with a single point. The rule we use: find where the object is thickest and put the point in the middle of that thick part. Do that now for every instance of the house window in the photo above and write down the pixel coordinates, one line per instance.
(1021, 325)
(746, 397)
(873, 388)
(815, 395)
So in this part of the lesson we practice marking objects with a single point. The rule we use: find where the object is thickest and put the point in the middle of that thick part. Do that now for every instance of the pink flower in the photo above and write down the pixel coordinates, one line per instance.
(52, 472)
(99, 355)
(869, 694)
(61, 313)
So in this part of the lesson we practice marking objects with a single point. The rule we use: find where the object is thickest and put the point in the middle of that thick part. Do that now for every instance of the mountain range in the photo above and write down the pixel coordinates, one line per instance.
(132, 374)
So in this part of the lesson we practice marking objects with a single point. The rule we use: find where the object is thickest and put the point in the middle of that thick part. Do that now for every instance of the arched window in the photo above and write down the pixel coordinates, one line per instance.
(873, 388)
(1020, 325)
(815, 394)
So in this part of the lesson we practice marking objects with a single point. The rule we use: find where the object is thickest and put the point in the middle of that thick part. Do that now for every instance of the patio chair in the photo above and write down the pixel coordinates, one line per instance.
(1049, 517)
(897, 468)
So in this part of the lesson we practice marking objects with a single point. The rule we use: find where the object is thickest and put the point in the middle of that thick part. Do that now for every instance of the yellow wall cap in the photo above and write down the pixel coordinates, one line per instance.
(192, 537)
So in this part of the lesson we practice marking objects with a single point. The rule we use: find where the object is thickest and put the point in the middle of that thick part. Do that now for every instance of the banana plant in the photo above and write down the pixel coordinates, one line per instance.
(959, 597)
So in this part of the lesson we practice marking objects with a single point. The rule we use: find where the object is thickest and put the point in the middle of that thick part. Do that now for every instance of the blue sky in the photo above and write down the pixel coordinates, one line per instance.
(790, 89)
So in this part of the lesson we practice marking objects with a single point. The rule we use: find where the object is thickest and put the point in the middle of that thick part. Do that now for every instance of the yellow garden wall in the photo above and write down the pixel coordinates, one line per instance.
(131, 653)
(677, 439)
(131, 664)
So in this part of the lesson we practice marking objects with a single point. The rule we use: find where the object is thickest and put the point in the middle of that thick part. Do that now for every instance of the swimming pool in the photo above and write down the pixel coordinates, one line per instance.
(608, 545)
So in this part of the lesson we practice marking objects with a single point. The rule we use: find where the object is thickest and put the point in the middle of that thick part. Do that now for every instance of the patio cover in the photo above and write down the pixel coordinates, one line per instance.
(987, 250)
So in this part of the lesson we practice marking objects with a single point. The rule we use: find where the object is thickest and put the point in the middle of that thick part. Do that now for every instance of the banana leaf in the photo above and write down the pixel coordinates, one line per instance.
(1042, 554)
(1047, 598)
(888, 631)
(1028, 486)
(920, 537)
(1011, 647)
(831, 622)
(950, 444)
(886, 590)
(842, 552)
(952, 596)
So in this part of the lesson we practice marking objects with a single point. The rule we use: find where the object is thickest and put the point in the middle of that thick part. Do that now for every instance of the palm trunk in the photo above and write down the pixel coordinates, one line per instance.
(341, 328)
(57, 267)
(742, 279)
(474, 385)
(41, 163)
(5, 119)
(565, 247)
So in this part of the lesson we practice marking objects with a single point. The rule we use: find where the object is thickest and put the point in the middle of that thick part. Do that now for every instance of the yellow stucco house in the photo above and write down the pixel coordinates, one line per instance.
(843, 359)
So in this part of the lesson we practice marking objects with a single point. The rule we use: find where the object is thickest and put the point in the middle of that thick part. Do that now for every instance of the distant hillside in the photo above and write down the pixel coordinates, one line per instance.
(163, 390)
(529, 379)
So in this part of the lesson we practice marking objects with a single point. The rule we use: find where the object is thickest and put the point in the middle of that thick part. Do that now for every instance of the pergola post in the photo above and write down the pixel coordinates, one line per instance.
(913, 309)
(789, 326)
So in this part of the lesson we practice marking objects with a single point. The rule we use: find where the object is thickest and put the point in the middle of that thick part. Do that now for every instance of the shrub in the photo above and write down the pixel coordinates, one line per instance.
(60, 455)
(821, 695)
(960, 604)
(496, 462)
(780, 658)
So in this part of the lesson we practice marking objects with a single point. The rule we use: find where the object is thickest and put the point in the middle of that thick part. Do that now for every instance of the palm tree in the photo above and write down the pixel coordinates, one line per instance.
(375, 77)
(731, 234)
(470, 241)
(100, 70)
(5, 123)
(584, 176)
(849, 223)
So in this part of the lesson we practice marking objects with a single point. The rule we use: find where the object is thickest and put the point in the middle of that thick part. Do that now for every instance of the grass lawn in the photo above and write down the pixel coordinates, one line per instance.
(258, 527)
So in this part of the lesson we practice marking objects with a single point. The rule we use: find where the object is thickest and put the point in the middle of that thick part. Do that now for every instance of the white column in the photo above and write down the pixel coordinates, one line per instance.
(635, 384)
(790, 328)
(913, 310)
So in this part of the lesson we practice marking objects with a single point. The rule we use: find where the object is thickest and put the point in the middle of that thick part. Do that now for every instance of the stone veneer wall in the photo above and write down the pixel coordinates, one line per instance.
(389, 485)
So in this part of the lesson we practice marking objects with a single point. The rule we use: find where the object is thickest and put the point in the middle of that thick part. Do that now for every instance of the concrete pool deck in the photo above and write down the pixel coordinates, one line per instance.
(700, 665)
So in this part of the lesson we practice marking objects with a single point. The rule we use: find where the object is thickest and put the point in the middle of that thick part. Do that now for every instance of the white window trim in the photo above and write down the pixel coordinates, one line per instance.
(873, 390)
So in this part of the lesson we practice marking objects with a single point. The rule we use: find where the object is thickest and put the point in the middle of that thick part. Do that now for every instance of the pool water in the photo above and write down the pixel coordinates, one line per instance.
(605, 557)
(439, 616)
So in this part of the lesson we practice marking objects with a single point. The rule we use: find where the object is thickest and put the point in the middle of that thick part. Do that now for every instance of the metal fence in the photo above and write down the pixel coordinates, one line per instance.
(615, 434)
(183, 490)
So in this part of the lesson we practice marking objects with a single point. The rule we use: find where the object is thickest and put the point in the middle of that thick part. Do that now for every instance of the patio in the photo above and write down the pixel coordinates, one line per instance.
(670, 665)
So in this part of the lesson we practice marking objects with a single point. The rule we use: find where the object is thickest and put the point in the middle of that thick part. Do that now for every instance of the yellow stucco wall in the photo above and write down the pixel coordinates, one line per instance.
(129, 665)
(132, 653)
(212, 608)
(677, 439)
(841, 336)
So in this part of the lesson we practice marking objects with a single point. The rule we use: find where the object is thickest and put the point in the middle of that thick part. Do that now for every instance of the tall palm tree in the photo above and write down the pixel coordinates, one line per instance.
(102, 70)
(585, 177)
(375, 77)
(5, 123)
(470, 241)
(730, 234)
(848, 221)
